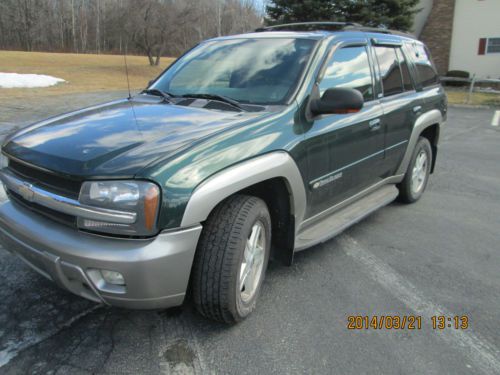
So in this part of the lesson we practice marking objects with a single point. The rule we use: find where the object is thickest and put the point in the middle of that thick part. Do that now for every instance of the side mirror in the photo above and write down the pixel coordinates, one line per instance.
(339, 101)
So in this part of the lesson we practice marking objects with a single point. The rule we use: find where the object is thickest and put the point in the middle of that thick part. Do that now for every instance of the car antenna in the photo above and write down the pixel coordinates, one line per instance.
(126, 72)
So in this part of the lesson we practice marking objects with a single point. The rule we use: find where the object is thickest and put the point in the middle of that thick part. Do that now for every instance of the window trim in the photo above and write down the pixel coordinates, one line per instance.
(412, 82)
(486, 50)
(386, 42)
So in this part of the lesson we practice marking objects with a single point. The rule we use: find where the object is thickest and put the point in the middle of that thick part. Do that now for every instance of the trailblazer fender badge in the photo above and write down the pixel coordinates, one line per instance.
(326, 180)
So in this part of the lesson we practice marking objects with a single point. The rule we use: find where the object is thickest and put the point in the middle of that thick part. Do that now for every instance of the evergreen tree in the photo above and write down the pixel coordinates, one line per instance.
(395, 14)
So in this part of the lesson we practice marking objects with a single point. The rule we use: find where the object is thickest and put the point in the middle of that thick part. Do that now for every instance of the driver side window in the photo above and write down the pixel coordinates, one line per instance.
(349, 67)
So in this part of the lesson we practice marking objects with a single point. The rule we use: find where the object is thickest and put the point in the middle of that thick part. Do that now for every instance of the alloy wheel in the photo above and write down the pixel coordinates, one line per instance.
(253, 262)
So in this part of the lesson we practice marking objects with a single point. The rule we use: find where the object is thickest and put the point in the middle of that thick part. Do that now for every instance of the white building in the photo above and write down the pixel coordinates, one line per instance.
(462, 35)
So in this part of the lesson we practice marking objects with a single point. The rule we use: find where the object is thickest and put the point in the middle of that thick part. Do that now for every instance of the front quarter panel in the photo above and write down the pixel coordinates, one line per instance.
(264, 167)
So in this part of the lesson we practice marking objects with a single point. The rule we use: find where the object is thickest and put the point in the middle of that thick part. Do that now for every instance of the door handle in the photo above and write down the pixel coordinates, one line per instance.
(417, 109)
(374, 124)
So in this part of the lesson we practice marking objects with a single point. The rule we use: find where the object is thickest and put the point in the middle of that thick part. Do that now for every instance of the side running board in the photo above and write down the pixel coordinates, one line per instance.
(340, 220)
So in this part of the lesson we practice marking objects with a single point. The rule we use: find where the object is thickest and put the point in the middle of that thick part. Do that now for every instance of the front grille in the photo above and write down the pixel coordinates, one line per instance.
(46, 180)
(45, 211)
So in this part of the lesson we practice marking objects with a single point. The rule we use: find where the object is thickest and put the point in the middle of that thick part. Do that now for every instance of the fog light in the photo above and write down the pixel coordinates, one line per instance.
(113, 277)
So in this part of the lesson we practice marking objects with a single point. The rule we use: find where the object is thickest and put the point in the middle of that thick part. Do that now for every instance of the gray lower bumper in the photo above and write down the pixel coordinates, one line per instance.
(156, 271)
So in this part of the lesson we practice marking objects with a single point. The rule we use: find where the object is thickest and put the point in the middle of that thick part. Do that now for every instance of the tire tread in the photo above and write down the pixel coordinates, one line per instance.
(216, 256)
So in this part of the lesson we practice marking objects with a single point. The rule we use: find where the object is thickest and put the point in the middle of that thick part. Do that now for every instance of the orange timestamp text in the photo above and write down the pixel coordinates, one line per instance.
(410, 322)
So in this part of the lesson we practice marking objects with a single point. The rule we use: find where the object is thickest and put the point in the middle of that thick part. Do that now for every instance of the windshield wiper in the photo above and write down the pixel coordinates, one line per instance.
(220, 98)
(165, 95)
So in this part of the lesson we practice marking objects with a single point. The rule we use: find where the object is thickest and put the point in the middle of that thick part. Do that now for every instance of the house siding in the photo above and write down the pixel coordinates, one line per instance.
(437, 32)
(475, 20)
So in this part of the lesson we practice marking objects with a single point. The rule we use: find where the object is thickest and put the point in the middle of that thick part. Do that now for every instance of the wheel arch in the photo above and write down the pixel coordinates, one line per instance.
(268, 177)
(427, 125)
(431, 132)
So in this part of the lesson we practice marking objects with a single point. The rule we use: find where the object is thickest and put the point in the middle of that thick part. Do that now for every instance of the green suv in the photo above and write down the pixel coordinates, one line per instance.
(247, 148)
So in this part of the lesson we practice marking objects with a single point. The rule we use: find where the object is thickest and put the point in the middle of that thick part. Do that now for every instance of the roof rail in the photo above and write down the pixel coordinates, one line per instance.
(331, 26)
(308, 26)
(381, 30)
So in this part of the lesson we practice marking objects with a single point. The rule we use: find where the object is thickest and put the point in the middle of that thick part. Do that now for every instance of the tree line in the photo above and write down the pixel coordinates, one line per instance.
(157, 28)
(152, 27)
(392, 14)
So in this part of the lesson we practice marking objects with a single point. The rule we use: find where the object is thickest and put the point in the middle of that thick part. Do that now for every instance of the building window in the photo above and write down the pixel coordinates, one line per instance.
(493, 45)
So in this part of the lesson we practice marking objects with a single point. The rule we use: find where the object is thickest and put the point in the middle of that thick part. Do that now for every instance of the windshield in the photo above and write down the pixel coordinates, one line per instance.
(252, 71)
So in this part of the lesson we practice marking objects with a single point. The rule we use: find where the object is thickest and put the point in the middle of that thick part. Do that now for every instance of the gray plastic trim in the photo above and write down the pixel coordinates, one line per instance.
(156, 270)
(334, 224)
(352, 199)
(424, 121)
(229, 181)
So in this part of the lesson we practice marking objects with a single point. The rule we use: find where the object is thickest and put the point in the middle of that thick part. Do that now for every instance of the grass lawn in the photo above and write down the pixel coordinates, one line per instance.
(83, 72)
(93, 73)
(478, 98)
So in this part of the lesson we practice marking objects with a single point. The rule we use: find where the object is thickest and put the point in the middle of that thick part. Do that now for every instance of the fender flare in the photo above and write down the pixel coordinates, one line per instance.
(427, 119)
(223, 184)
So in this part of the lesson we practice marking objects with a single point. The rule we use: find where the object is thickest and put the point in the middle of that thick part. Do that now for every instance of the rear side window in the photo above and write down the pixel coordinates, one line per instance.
(426, 73)
(349, 67)
(390, 70)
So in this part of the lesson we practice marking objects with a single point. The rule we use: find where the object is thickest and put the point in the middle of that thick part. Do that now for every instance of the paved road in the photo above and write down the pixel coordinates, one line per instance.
(439, 256)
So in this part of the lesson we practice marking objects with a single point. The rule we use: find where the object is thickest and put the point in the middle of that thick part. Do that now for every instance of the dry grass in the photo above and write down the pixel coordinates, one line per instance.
(93, 73)
(83, 73)
(478, 98)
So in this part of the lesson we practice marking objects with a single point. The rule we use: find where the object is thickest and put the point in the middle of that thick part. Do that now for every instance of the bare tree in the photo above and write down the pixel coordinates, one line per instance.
(151, 27)
(97, 26)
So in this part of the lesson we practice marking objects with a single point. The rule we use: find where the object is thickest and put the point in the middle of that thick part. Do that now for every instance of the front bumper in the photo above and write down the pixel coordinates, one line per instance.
(156, 271)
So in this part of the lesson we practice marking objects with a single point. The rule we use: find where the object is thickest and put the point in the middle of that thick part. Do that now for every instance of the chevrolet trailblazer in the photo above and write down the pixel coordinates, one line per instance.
(246, 148)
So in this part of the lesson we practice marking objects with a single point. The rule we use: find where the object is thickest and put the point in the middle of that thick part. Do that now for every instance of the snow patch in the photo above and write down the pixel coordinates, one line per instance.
(15, 80)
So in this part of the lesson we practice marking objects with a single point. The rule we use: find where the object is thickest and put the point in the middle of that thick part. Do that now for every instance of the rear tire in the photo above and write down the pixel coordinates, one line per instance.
(417, 175)
(231, 259)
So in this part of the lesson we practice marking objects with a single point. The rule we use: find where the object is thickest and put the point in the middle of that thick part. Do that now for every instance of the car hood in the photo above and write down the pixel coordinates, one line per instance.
(119, 138)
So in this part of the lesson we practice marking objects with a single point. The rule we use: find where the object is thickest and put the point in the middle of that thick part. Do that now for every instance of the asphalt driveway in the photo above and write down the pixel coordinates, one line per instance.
(440, 256)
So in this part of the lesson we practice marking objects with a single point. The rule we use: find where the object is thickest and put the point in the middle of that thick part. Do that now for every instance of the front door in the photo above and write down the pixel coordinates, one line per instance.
(345, 151)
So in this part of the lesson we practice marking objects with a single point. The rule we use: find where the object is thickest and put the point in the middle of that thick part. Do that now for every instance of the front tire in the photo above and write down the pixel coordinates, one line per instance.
(231, 259)
(417, 175)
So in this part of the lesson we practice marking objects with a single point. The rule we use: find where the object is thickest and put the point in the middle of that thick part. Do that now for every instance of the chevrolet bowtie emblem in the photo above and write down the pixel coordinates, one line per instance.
(26, 191)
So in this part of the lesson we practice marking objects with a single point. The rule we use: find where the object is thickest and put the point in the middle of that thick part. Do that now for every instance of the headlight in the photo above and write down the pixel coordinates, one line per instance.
(140, 197)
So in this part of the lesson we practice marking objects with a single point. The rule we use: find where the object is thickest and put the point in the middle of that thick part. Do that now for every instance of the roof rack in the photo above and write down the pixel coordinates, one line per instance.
(368, 29)
(308, 26)
(331, 26)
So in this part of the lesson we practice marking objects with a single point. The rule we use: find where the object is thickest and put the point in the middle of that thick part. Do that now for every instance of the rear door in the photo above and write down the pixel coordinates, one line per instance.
(345, 151)
(400, 102)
